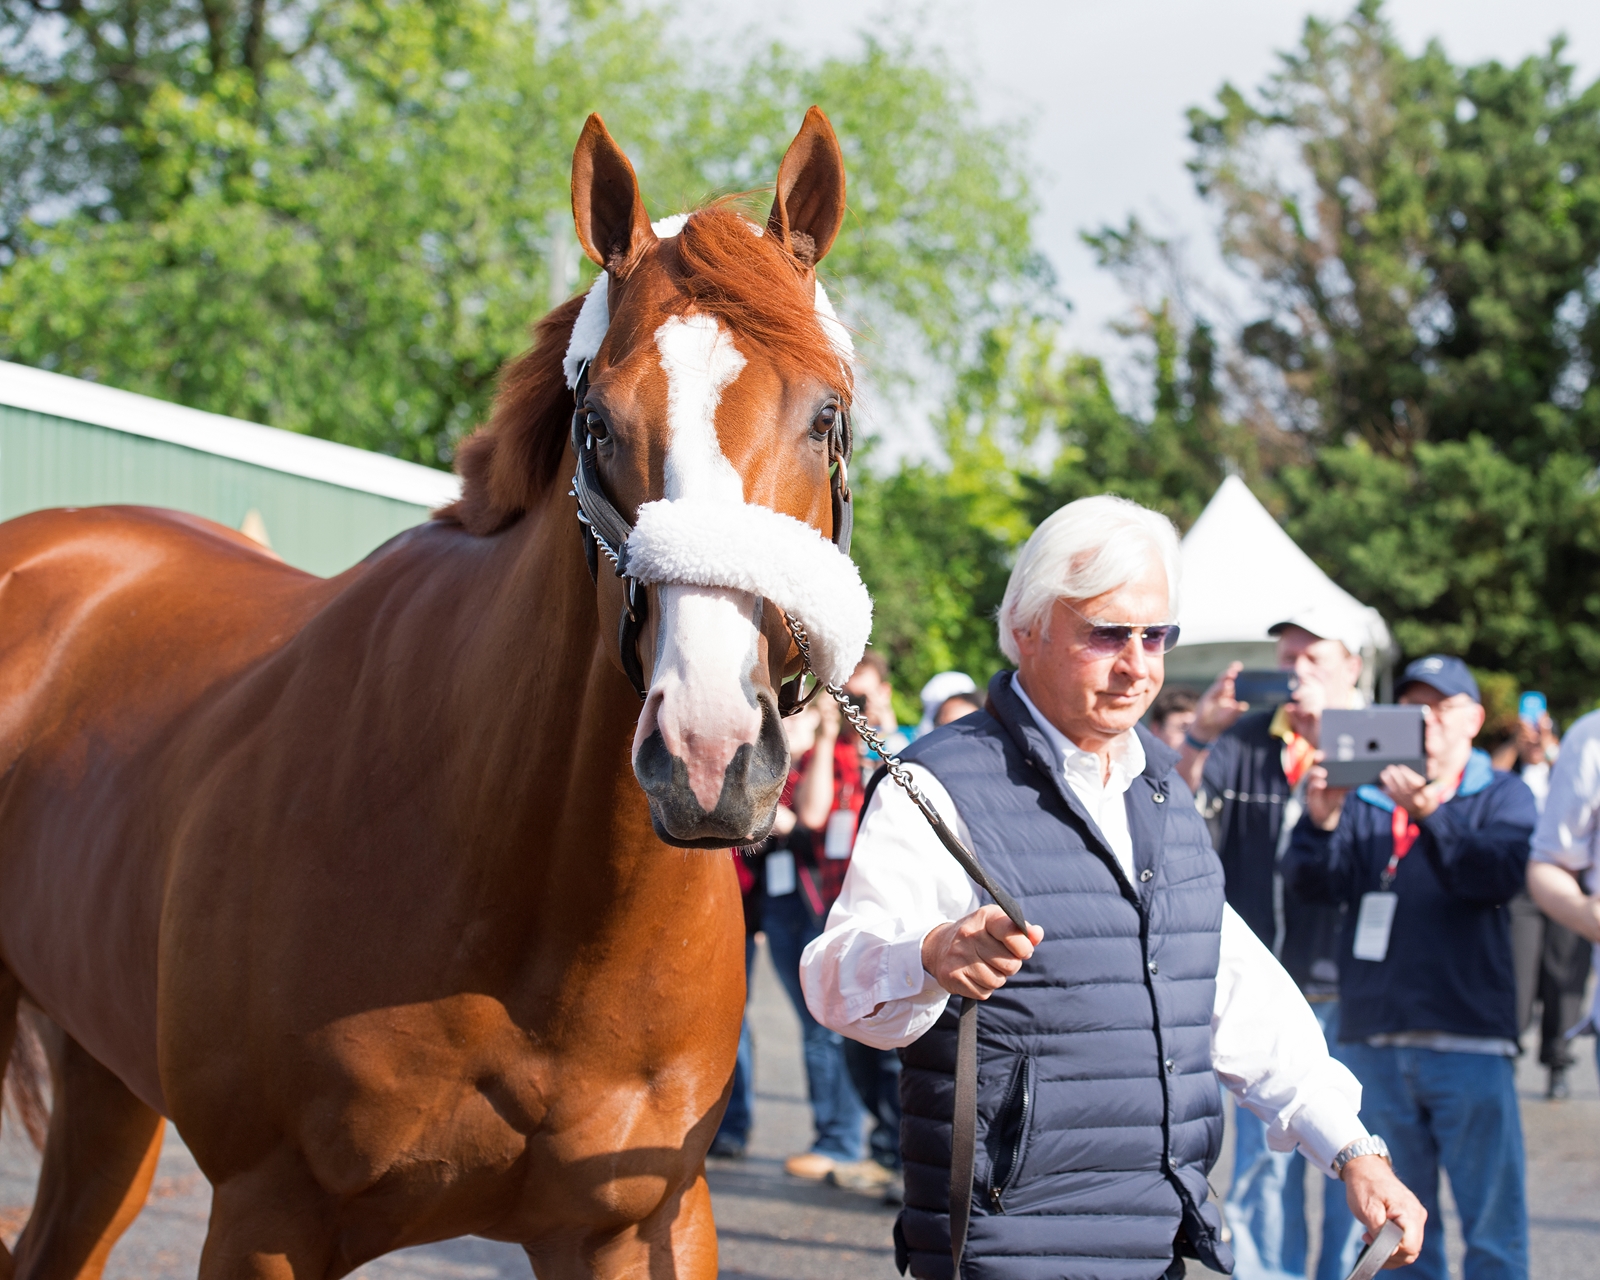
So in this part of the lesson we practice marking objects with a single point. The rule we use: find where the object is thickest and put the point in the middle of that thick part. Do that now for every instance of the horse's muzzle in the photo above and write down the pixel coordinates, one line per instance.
(751, 785)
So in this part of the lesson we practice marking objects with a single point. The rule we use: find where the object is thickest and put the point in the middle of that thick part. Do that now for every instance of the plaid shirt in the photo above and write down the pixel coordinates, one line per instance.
(821, 877)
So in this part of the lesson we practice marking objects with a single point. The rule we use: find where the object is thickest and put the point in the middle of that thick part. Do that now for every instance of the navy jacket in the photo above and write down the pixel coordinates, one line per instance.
(1245, 793)
(1448, 967)
(1099, 1115)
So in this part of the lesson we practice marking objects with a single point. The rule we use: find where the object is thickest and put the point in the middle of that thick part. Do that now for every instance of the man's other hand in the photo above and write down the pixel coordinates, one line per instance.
(975, 955)
(1376, 1196)
(1324, 803)
(1411, 791)
(1218, 709)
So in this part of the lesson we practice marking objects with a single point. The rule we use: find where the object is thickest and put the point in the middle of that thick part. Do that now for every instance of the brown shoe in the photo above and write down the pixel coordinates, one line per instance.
(813, 1166)
(860, 1175)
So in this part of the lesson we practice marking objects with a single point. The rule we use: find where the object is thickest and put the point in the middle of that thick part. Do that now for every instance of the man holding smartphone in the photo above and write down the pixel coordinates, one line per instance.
(1428, 1022)
(1249, 768)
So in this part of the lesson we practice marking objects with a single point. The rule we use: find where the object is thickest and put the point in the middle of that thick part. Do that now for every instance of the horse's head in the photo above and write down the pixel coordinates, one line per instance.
(713, 386)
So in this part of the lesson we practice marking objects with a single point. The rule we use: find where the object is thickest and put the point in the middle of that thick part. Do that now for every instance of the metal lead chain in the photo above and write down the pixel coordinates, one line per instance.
(897, 770)
(856, 717)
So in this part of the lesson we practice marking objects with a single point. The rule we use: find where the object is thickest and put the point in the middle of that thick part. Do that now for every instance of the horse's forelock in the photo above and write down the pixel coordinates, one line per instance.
(726, 267)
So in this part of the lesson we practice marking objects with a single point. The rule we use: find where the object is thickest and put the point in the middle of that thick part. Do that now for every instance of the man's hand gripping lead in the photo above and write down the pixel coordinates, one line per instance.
(975, 955)
(1376, 1196)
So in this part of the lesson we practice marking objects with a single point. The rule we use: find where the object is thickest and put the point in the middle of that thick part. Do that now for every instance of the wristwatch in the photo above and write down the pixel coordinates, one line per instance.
(1195, 742)
(1371, 1145)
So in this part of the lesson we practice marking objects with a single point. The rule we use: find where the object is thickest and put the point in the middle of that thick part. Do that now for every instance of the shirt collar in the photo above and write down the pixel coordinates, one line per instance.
(1127, 752)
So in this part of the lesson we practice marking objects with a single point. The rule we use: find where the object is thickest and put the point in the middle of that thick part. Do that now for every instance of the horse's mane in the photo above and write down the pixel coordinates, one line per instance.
(749, 281)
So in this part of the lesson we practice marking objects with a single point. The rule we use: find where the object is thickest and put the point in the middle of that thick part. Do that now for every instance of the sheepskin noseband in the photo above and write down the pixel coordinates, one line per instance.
(701, 543)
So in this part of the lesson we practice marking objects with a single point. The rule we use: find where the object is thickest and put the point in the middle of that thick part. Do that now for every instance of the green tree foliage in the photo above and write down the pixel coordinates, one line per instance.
(1428, 265)
(336, 216)
(1429, 278)
(936, 569)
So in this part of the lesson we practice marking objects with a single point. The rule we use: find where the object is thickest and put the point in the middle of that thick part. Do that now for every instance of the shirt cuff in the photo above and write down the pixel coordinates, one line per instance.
(903, 974)
(1324, 1125)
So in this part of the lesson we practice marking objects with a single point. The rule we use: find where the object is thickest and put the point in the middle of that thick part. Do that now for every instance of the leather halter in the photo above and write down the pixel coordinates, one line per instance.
(605, 529)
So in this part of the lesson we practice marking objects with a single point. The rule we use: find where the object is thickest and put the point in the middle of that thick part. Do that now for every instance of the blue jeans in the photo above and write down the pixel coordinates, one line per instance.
(736, 1120)
(1459, 1111)
(835, 1108)
(876, 1076)
(1266, 1205)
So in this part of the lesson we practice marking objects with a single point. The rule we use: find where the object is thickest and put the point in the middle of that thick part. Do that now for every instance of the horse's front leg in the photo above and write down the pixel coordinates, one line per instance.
(271, 1222)
(677, 1242)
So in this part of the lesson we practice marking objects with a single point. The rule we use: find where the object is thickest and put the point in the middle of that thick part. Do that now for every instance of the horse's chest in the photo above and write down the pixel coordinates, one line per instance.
(518, 1134)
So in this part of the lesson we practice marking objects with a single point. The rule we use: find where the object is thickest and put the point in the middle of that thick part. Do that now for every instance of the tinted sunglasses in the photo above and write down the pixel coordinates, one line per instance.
(1108, 638)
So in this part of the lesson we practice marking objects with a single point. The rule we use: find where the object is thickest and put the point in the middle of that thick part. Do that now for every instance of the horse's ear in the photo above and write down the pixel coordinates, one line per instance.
(808, 208)
(613, 227)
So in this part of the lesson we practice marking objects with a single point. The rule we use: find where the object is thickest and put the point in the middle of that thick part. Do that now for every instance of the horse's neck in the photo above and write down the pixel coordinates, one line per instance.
(555, 827)
(548, 718)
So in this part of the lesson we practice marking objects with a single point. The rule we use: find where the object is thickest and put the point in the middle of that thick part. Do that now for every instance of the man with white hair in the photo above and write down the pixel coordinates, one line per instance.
(1104, 1029)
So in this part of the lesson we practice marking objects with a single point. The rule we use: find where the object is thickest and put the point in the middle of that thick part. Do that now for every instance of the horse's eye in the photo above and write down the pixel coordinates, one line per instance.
(596, 426)
(823, 424)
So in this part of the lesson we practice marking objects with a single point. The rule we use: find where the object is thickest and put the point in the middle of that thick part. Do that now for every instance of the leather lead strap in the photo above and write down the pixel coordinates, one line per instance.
(964, 1118)
(964, 1130)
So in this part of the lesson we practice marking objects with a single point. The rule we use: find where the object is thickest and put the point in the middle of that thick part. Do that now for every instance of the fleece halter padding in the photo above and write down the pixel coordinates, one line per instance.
(703, 543)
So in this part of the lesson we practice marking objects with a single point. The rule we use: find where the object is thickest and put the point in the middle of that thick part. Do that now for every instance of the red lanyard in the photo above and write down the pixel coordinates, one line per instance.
(1405, 832)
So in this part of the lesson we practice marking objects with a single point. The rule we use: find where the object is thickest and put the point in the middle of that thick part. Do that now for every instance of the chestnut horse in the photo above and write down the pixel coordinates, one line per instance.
(364, 882)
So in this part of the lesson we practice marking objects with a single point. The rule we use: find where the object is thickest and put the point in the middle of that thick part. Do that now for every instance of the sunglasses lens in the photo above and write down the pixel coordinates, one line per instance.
(1109, 640)
(1105, 641)
(1160, 639)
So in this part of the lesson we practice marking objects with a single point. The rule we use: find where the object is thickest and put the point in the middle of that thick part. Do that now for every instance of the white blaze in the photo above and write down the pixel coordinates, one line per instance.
(700, 361)
(700, 694)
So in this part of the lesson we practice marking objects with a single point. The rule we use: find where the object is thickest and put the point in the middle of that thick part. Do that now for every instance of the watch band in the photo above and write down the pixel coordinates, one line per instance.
(1371, 1145)
(1195, 742)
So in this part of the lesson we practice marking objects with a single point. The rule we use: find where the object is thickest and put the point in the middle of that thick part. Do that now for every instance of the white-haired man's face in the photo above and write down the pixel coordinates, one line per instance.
(1090, 693)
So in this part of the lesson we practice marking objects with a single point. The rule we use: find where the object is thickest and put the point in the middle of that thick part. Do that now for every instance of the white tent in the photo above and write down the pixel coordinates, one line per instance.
(1241, 574)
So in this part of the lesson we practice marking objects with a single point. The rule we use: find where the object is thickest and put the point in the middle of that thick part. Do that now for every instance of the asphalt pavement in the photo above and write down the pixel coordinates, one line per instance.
(775, 1227)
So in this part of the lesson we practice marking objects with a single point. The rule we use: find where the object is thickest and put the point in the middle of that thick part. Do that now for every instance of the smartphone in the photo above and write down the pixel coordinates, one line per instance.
(1531, 709)
(1359, 745)
(1265, 688)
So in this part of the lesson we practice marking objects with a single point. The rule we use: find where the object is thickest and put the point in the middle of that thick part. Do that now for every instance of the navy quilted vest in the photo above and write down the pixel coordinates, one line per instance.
(1099, 1115)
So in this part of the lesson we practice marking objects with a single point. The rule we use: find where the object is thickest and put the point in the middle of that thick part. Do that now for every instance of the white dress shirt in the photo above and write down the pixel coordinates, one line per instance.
(1568, 833)
(864, 977)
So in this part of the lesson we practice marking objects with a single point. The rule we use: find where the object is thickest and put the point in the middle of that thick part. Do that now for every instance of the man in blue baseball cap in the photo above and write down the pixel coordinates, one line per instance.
(1426, 866)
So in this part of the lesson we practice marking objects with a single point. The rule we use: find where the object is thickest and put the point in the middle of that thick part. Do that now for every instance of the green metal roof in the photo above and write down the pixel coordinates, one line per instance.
(67, 443)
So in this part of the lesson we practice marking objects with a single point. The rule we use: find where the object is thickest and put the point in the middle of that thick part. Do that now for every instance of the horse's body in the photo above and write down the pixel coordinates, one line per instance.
(352, 880)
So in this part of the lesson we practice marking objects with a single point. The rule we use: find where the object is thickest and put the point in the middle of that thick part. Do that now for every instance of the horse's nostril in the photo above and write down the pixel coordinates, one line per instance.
(751, 785)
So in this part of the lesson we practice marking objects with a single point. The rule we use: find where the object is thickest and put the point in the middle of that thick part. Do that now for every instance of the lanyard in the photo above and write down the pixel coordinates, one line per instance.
(1298, 757)
(1405, 832)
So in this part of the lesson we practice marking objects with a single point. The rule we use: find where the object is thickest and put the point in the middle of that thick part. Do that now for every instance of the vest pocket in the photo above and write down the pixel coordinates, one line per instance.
(1011, 1134)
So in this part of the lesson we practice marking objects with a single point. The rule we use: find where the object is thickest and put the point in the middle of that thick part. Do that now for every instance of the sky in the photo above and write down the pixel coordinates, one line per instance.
(1103, 86)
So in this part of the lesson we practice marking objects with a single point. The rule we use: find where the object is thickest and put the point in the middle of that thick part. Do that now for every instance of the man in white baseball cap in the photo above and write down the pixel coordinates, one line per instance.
(1249, 768)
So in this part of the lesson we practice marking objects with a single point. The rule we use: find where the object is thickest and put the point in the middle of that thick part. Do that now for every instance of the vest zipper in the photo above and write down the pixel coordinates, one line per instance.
(1013, 1132)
